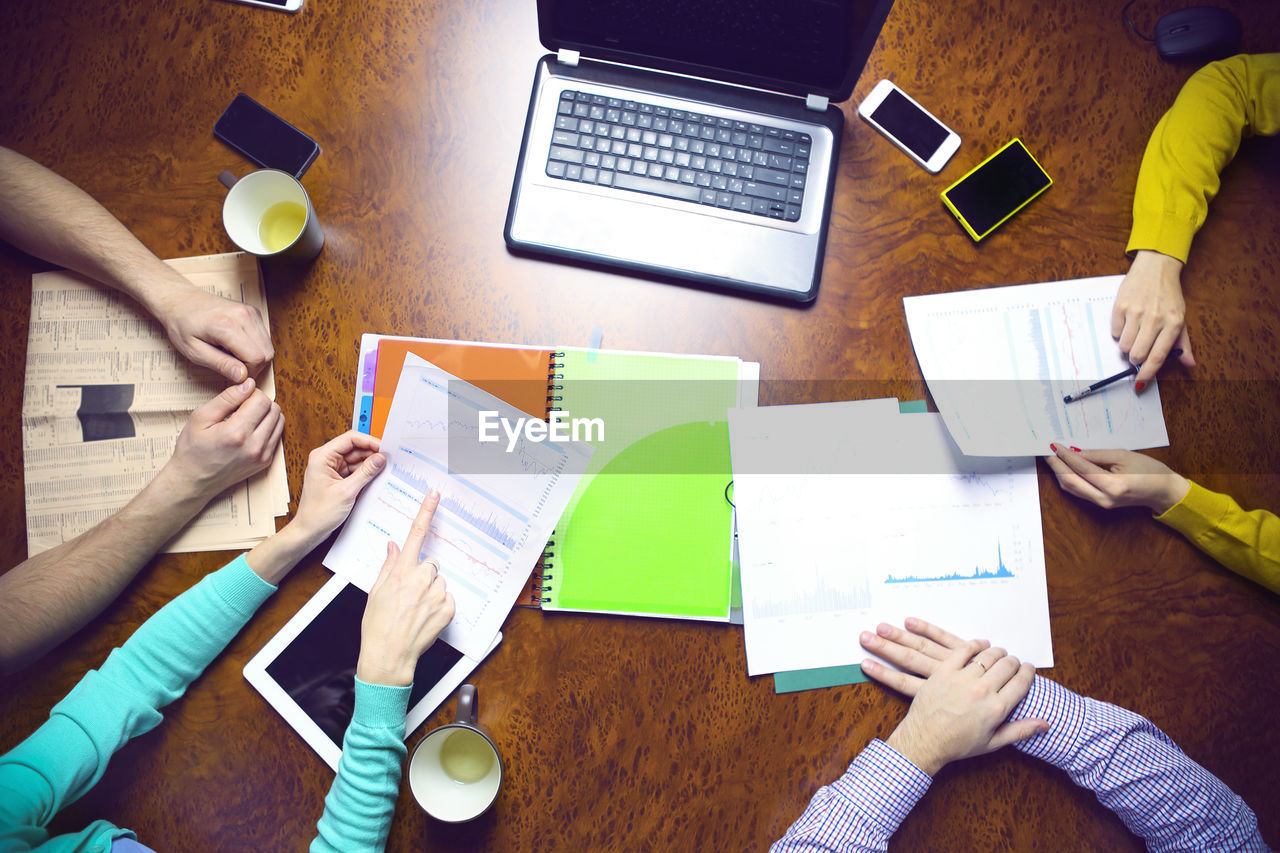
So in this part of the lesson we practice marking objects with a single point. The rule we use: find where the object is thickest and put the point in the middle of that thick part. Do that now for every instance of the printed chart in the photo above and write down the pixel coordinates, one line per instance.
(950, 539)
(999, 362)
(497, 507)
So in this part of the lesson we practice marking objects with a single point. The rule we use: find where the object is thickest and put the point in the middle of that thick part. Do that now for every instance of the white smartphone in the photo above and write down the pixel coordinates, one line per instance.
(278, 5)
(909, 126)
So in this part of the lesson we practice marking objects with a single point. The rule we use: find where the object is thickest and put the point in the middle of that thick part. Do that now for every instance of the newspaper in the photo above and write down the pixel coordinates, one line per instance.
(106, 396)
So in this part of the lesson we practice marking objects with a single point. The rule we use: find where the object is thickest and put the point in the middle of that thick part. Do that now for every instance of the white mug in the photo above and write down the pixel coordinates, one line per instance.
(268, 214)
(455, 771)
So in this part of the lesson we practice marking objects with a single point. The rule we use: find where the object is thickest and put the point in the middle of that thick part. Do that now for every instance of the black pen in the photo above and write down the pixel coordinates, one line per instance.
(1103, 383)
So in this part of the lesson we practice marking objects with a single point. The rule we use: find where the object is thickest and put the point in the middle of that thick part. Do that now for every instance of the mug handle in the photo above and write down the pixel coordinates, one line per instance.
(467, 706)
(227, 179)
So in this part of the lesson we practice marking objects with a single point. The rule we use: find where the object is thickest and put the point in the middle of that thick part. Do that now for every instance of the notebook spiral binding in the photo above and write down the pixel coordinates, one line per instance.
(538, 584)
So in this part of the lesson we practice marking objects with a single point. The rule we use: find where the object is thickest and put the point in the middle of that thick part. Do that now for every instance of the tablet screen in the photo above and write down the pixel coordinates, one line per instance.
(317, 668)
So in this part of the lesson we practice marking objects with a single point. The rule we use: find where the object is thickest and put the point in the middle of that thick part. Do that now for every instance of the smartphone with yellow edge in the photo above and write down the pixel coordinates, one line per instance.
(996, 189)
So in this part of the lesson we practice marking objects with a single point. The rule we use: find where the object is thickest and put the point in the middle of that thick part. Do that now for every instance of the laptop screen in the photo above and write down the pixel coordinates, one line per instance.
(797, 46)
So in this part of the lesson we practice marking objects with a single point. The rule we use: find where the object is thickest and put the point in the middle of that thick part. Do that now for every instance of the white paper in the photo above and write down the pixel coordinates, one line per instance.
(851, 515)
(489, 529)
(999, 361)
(105, 398)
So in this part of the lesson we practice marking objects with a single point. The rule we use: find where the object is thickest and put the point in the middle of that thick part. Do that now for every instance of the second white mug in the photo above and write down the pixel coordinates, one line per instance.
(269, 214)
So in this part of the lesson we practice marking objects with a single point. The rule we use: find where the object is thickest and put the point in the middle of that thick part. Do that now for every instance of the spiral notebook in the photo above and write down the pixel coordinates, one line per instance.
(648, 532)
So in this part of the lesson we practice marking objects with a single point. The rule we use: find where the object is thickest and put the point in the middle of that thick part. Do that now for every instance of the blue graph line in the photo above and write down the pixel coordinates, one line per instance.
(472, 404)
(973, 478)
(521, 517)
(488, 526)
(1002, 571)
(1044, 348)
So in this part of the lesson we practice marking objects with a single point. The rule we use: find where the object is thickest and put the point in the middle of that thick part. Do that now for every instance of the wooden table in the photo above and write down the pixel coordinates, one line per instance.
(626, 733)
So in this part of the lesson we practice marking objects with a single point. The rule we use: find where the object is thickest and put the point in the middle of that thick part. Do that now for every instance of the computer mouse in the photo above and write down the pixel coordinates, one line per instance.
(1198, 34)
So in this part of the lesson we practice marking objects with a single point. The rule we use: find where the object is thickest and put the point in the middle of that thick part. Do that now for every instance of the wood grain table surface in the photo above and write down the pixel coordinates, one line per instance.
(627, 733)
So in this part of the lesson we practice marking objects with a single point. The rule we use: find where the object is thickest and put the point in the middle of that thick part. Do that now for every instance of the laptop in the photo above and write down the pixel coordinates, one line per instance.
(694, 140)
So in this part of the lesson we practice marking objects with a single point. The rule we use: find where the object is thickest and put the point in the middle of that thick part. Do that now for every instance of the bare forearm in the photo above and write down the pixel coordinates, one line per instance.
(47, 216)
(52, 595)
(277, 556)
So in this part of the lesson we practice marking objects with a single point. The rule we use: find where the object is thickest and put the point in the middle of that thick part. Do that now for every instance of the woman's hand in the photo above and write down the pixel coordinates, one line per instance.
(408, 608)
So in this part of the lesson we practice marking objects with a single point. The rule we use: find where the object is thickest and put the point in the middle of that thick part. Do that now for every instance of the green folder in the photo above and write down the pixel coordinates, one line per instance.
(648, 530)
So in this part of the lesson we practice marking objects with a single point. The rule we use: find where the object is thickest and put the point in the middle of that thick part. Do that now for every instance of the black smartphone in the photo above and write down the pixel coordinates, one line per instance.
(996, 189)
(264, 137)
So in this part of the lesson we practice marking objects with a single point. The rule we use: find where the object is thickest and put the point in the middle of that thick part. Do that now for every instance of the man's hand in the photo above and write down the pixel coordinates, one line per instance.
(1149, 317)
(336, 474)
(960, 706)
(408, 608)
(227, 439)
(1115, 478)
(224, 336)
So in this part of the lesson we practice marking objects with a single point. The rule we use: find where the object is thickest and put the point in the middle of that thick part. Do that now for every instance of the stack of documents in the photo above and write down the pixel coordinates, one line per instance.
(851, 514)
(499, 501)
(106, 397)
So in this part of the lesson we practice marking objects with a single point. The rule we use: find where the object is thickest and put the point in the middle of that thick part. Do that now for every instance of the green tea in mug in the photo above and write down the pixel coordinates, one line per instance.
(466, 756)
(281, 224)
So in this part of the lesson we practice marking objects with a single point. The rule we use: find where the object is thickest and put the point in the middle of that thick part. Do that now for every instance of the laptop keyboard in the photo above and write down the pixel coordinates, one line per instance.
(702, 159)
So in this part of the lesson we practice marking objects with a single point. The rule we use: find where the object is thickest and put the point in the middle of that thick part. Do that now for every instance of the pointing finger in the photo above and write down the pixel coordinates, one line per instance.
(421, 524)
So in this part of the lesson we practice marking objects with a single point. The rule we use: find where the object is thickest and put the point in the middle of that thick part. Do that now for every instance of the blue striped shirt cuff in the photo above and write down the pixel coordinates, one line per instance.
(883, 785)
(1065, 711)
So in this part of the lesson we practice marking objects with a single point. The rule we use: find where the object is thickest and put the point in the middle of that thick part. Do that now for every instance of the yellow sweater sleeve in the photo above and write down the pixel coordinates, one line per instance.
(1247, 543)
(1194, 141)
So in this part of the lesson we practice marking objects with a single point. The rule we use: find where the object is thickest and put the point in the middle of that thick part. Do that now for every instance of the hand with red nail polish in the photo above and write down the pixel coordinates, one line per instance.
(1114, 478)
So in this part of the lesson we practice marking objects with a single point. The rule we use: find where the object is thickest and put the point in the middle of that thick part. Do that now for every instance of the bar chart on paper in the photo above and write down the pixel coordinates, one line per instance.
(498, 504)
(999, 362)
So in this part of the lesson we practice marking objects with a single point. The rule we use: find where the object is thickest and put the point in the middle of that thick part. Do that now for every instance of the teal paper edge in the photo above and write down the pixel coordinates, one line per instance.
(834, 676)
(812, 679)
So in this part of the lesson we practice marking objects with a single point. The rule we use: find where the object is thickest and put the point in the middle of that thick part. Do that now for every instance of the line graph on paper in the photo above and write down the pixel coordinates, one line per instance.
(999, 362)
(995, 571)
(460, 438)
(815, 594)
(496, 510)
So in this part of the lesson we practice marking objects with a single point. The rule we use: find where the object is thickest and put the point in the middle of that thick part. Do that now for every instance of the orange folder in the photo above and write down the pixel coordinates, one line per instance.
(516, 375)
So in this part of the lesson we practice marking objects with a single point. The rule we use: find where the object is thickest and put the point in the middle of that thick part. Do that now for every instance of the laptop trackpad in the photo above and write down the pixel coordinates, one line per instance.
(666, 239)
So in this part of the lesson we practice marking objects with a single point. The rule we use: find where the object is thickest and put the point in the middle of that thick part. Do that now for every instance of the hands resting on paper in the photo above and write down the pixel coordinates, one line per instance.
(224, 336)
(49, 217)
(962, 693)
(1149, 316)
(229, 438)
(1116, 478)
(408, 608)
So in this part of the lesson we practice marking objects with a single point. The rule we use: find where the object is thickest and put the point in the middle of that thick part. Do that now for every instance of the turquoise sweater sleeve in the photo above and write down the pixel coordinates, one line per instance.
(358, 809)
(67, 755)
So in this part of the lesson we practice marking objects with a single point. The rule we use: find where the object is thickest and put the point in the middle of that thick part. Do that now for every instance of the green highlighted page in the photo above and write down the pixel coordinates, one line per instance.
(648, 529)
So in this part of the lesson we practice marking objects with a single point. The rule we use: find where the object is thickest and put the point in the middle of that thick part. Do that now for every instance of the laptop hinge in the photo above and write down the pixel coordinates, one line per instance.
(565, 56)
(816, 102)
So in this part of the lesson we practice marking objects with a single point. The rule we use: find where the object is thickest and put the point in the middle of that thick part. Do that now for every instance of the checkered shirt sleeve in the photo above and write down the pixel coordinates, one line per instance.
(1134, 769)
(862, 809)
(1138, 772)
